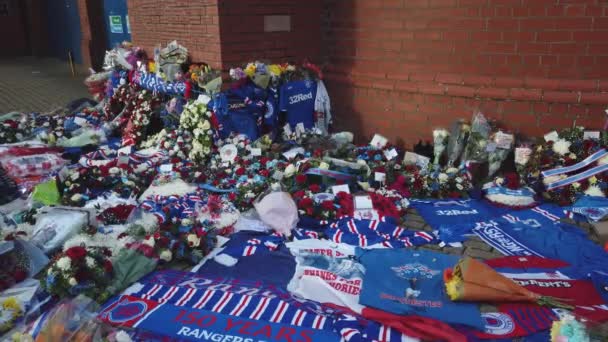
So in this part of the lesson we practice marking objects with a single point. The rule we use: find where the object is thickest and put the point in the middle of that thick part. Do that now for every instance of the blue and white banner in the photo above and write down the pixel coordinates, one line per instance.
(491, 233)
(584, 163)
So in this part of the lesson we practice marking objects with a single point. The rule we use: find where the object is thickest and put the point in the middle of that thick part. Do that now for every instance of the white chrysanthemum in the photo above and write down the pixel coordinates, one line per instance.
(90, 262)
(594, 190)
(443, 177)
(122, 336)
(290, 170)
(561, 147)
(166, 255)
(64, 263)
(73, 281)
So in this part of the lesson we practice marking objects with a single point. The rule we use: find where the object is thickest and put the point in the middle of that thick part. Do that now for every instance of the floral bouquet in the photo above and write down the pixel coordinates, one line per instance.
(440, 139)
(477, 143)
(459, 134)
(473, 281)
(80, 270)
(568, 329)
(10, 310)
(449, 182)
(323, 206)
(197, 121)
(504, 145)
(568, 165)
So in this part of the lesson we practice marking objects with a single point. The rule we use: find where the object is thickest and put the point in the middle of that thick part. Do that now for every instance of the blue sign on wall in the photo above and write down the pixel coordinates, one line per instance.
(116, 16)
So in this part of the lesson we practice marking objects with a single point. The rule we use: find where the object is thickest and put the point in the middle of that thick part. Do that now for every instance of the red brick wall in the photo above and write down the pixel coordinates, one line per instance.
(243, 37)
(194, 24)
(402, 67)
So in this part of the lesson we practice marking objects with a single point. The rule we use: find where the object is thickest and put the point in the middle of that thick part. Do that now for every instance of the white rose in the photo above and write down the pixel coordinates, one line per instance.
(76, 197)
(458, 180)
(572, 156)
(186, 222)
(324, 166)
(459, 186)
(166, 255)
(452, 170)
(499, 181)
(64, 263)
(193, 240)
(75, 175)
(114, 170)
(73, 281)
(289, 170)
(206, 125)
(90, 262)
(443, 178)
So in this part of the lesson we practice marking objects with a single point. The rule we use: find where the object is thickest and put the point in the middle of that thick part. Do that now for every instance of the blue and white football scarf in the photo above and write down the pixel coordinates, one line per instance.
(173, 207)
(366, 233)
(559, 241)
(152, 82)
(186, 306)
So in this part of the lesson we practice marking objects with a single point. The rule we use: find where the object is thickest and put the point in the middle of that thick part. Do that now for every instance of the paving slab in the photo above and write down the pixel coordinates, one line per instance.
(30, 84)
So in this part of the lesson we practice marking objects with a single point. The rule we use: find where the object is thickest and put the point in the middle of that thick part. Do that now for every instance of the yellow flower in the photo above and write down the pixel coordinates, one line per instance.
(250, 69)
(592, 180)
(151, 66)
(11, 303)
(275, 70)
(451, 288)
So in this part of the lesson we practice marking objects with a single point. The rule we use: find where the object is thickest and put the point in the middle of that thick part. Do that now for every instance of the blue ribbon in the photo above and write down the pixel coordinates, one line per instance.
(499, 190)
(586, 162)
(209, 187)
(329, 173)
(578, 177)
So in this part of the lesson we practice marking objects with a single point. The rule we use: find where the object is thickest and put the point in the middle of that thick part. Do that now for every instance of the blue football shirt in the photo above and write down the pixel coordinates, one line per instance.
(298, 100)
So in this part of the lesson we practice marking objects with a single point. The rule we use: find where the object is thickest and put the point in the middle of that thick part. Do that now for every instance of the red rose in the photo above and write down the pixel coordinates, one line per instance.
(264, 173)
(314, 188)
(327, 205)
(156, 236)
(263, 161)
(232, 196)
(240, 171)
(76, 252)
(306, 203)
(309, 211)
(298, 194)
(454, 194)
(163, 241)
(19, 275)
(300, 179)
(107, 266)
